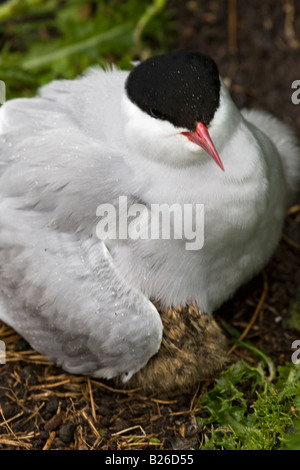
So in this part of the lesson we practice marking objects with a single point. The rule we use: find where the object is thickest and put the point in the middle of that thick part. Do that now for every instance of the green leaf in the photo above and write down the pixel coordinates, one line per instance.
(246, 410)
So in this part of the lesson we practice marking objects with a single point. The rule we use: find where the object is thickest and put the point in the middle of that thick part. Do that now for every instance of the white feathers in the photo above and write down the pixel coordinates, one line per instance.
(82, 143)
(284, 139)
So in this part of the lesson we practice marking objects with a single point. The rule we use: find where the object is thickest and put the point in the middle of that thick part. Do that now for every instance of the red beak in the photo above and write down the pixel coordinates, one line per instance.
(201, 137)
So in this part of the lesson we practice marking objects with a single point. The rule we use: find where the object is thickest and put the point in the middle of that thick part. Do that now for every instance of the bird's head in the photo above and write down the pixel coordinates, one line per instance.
(172, 109)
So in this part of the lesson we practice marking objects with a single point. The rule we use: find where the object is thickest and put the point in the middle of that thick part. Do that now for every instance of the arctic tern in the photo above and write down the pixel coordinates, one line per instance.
(166, 132)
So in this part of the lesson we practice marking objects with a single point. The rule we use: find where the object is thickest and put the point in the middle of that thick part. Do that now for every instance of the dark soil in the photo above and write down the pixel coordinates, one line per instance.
(257, 51)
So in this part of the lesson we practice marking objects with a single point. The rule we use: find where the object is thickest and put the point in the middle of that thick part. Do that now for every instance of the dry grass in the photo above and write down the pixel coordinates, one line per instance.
(44, 408)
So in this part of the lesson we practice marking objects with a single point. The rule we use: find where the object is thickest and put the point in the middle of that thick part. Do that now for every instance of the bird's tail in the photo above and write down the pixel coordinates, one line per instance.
(286, 142)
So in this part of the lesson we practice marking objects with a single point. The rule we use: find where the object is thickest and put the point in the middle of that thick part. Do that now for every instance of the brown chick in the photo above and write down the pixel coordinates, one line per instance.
(193, 348)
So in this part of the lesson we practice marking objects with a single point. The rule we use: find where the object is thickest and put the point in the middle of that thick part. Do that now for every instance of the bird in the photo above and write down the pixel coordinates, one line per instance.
(164, 134)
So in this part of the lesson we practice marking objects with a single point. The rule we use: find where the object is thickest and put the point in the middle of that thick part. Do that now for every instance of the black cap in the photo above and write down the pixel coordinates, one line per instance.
(182, 87)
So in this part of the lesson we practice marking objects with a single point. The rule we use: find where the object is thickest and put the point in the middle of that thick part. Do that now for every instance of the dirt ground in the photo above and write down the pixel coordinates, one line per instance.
(257, 51)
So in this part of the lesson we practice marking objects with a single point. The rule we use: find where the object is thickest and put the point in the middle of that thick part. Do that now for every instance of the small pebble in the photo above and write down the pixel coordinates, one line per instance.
(66, 432)
(9, 410)
(51, 406)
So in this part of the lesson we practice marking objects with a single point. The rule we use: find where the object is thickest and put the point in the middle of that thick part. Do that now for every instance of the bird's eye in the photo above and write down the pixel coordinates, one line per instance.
(155, 113)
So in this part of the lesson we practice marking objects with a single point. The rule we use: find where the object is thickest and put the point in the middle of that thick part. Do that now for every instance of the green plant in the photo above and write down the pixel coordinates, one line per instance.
(247, 410)
(45, 40)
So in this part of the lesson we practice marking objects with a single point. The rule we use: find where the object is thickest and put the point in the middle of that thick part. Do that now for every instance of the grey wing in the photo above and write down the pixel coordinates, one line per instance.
(58, 285)
(65, 297)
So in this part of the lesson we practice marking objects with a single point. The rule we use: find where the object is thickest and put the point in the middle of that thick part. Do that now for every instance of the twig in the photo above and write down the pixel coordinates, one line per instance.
(43, 386)
(293, 209)
(289, 29)
(12, 419)
(91, 399)
(11, 442)
(27, 446)
(97, 442)
(255, 315)
(184, 412)
(87, 418)
(193, 404)
(163, 402)
(34, 413)
(138, 426)
(49, 441)
(115, 390)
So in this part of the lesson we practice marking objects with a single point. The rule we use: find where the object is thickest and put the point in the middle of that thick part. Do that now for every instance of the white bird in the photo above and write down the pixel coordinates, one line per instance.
(153, 135)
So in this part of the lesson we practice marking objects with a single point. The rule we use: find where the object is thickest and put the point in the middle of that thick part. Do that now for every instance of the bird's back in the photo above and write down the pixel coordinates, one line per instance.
(285, 141)
(92, 103)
